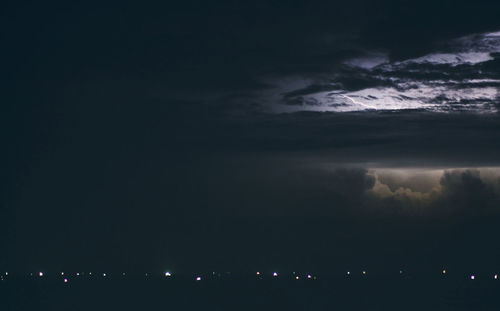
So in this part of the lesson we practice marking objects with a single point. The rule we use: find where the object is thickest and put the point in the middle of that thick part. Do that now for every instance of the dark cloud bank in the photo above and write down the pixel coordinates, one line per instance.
(241, 212)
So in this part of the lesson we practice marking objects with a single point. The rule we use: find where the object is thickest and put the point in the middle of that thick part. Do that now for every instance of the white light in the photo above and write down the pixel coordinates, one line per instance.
(400, 271)
(65, 280)
(198, 278)
(167, 274)
(78, 274)
(444, 271)
(62, 273)
(40, 274)
(275, 274)
(309, 276)
(258, 273)
(472, 277)
(348, 272)
(6, 273)
(296, 277)
(123, 273)
(495, 276)
(364, 272)
(104, 274)
(90, 273)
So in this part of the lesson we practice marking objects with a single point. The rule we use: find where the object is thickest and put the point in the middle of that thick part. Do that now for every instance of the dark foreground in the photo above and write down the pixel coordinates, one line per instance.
(246, 293)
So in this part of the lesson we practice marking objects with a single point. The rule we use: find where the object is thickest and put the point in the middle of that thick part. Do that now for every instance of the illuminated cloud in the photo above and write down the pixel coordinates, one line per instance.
(454, 188)
(450, 80)
(369, 61)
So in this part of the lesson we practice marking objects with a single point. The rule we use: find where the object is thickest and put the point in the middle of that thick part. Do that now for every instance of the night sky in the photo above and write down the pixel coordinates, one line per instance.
(244, 136)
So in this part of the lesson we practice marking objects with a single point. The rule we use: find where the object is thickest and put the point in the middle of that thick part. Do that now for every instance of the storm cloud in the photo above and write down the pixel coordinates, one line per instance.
(200, 135)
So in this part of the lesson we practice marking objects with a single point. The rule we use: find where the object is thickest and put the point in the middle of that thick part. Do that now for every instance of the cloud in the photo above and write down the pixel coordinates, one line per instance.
(368, 61)
(450, 79)
(402, 193)
(459, 191)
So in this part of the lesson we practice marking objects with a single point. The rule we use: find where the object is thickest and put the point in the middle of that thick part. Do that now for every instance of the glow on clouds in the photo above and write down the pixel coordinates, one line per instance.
(402, 85)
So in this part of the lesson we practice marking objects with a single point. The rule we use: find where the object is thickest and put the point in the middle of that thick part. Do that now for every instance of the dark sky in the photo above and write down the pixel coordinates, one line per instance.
(249, 135)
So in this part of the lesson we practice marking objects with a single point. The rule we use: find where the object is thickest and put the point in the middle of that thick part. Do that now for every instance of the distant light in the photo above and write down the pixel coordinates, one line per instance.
(167, 274)
(472, 277)
(198, 278)
(275, 274)
(348, 272)
(65, 280)
(62, 273)
(297, 277)
(40, 274)
(364, 272)
(309, 276)
(123, 273)
(258, 273)
(104, 274)
(444, 271)
(78, 274)
(6, 273)
(146, 274)
(495, 276)
(90, 273)
(400, 271)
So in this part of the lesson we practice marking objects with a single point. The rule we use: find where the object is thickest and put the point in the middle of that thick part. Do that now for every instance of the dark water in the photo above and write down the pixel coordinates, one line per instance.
(248, 294)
